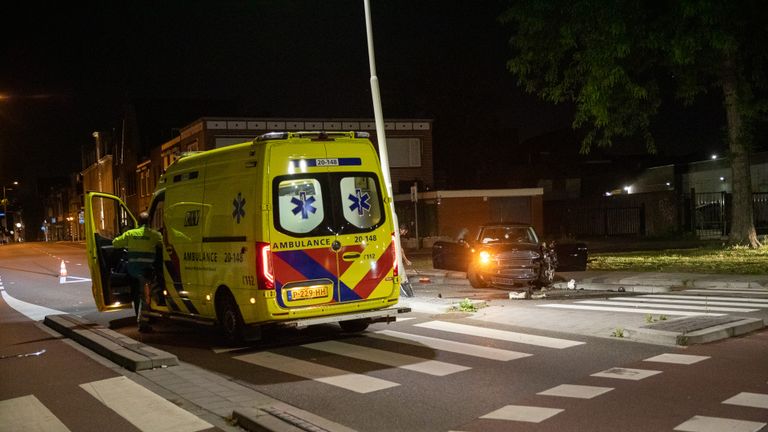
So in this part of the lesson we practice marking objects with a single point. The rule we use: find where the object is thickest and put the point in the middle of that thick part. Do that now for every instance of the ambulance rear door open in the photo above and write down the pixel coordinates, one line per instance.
(106, 217)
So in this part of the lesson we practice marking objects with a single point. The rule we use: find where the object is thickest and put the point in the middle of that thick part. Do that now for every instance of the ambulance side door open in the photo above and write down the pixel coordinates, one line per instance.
(106, 217)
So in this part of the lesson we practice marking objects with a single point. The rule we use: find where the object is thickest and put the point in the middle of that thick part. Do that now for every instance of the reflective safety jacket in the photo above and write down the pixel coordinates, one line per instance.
(142, 244)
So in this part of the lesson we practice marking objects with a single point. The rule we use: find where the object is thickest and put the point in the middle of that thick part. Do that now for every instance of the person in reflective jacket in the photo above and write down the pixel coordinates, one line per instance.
(143, 245)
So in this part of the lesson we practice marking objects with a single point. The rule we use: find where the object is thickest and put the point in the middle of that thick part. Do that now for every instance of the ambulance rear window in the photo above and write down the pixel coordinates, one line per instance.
(327, 203)
(300, 205)
(361, 201)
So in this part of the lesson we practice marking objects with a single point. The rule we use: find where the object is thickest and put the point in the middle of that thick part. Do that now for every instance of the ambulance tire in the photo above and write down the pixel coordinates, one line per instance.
(230, 318)
(354, 326)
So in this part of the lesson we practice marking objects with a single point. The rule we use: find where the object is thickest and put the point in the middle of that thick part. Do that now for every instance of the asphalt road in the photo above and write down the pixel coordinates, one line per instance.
(448, 371)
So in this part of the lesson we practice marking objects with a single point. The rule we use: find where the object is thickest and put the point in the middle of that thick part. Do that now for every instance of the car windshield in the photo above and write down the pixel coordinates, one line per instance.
(504, 234)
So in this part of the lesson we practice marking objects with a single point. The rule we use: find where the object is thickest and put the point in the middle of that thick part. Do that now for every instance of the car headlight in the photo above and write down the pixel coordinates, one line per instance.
(485, 257)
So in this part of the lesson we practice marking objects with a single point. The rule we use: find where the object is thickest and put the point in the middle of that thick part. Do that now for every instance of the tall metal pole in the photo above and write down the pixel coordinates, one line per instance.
(382, 140)
(5, 212)
(377, 111)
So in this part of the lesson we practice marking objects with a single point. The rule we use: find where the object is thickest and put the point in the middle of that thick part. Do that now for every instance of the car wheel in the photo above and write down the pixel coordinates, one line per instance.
(230, 319)
(547, 275)
(475, 279)
(354, 326)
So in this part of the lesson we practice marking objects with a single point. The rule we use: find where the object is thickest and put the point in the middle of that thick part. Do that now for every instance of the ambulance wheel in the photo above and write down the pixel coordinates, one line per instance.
(354, 326)
(230, 319)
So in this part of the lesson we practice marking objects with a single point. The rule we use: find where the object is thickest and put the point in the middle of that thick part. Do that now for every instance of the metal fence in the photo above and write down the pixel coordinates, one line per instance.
(710, 214)
(602, 221)
(705, 214)
(760, 210)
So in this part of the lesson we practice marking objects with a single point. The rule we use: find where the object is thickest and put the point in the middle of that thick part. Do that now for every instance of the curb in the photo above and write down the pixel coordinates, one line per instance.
(736, 327)
(122, 350)
(435, 306)
(616, 287)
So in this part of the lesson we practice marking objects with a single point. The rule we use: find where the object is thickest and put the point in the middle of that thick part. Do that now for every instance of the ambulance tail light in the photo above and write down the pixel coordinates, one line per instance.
(266, 274)
(395, 270)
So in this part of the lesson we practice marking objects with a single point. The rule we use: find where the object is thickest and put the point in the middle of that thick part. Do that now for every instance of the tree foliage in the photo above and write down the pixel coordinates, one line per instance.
(617, 61)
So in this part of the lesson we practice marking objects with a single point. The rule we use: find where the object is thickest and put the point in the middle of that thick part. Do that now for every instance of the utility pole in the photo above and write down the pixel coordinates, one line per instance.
(382, 140)
(5, 207)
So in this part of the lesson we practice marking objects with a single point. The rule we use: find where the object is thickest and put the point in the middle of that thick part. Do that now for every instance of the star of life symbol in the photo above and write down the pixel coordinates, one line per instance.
(360, 202)
(303, 205)
(239, 205)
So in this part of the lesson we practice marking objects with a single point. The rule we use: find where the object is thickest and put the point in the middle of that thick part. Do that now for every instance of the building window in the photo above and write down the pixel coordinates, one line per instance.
(228, 141)
(404, 152)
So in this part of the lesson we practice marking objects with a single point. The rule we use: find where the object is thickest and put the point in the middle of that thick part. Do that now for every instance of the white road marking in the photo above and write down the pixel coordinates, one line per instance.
(693, 301)
(417, 364)
(72, 279)
(31, 311)
(143, 408)
(576, 391)
(685, 359)
(510, 336)
(683, 307)
(754, 400)
(626, 374)
(718, 424)
(27, 413)
(449, 345)
(628, 310)
(530, 414)
(729, 291)
(688, 297)
(340, 378)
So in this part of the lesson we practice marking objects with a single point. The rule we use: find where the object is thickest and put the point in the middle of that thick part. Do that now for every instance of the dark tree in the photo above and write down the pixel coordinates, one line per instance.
(616, 59)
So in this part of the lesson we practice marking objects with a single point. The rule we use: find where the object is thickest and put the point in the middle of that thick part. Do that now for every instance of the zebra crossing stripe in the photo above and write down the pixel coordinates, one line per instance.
(336, 377)
(705, 424)
(523, 413)
(510, 336)
(27, 413)
(143, 408)
(693, 301)
(450, 346)
(627, 309)
(402, 361)
(734, 299)
(626, 373)
(683, 307)
(729, 291)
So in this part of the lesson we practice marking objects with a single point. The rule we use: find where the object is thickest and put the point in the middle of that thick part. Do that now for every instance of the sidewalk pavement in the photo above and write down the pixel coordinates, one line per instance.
(440, 291)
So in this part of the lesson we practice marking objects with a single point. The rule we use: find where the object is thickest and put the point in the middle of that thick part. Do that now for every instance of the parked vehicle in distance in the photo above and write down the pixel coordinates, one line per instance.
(508, 255)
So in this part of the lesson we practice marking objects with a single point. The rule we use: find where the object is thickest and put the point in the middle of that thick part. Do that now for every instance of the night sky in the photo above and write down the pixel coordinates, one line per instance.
(69, 67)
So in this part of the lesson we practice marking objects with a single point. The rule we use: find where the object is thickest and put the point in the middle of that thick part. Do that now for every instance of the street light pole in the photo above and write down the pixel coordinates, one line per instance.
(5, 206)
(378, 115)
(5, 212)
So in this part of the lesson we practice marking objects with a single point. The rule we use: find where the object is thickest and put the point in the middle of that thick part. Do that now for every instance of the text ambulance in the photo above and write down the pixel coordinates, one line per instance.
(292, 228)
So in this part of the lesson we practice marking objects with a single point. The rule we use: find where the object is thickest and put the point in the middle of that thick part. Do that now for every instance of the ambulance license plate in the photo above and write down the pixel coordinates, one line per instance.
(305, 293)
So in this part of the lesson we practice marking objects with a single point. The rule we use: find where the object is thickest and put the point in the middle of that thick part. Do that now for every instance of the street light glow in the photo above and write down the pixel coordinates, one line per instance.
(714, 156)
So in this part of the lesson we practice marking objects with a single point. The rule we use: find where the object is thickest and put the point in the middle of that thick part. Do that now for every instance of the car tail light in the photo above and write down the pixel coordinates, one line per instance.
(395, 265)
(266, 275)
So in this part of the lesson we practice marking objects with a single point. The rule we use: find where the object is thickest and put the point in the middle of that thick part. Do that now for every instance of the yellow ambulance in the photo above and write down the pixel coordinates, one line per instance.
(292, 229)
